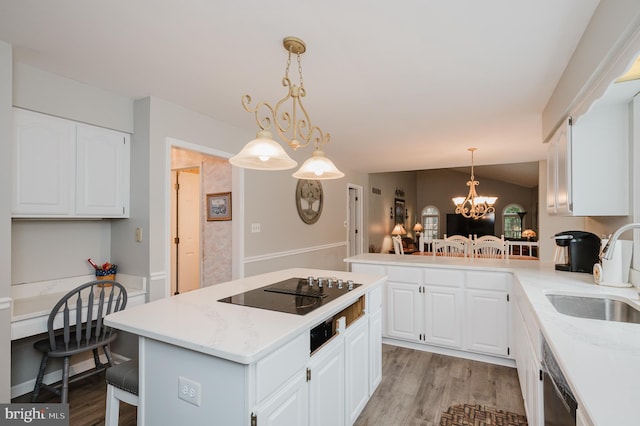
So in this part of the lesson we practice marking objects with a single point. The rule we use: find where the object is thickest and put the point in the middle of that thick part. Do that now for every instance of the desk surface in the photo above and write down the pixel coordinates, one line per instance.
(32, 302)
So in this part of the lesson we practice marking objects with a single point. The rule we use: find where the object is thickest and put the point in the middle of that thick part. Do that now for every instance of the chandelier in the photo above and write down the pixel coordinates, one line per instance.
(474, 206)
(293, 125)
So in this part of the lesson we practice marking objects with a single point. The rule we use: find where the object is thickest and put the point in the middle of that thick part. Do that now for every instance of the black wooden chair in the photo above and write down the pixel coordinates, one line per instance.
(70, 333)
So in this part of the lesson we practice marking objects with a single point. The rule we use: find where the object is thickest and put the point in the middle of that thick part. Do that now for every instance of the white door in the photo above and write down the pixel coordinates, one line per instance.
(185, 218)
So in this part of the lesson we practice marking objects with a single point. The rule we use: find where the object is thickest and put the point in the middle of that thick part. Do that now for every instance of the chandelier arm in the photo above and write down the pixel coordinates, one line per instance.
(263, 121)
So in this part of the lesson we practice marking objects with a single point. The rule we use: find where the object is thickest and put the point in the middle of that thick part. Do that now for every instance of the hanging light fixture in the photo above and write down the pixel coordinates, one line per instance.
(293, 126)
(474, 206)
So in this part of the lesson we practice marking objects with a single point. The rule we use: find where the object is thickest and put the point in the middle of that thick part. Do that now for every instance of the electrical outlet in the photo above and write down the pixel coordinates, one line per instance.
(189, 390)
(255, 227)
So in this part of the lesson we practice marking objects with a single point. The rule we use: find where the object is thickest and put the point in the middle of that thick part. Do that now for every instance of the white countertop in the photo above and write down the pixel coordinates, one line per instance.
(31, 303)
(600, 359)
(196, 320)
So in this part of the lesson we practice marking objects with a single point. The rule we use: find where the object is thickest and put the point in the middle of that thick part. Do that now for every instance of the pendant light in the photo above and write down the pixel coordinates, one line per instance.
(294, 126)
(474, 206)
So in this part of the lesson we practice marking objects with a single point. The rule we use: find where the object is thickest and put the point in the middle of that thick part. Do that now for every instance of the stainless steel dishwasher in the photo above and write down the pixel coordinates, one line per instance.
(559, 403)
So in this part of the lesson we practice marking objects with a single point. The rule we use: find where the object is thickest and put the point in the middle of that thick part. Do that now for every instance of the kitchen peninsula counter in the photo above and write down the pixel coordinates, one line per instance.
(600, 359)
(203, 361)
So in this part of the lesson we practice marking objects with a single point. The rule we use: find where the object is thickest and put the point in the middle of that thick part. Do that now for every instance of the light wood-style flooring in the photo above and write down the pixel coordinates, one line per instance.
(87, 403)
(416, 388)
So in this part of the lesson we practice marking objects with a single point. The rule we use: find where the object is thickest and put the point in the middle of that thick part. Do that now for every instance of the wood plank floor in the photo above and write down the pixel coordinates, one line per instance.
(418, 386)
(87, 403)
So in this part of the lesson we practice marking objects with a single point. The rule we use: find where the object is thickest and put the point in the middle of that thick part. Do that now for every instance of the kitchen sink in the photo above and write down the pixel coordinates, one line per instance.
(601, 308)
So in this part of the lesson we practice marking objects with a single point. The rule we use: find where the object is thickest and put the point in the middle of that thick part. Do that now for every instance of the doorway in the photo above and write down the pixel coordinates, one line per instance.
(186, 229)
(354, 220)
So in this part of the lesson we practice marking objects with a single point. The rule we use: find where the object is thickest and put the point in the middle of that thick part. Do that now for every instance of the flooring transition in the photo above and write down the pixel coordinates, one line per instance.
(417, 387)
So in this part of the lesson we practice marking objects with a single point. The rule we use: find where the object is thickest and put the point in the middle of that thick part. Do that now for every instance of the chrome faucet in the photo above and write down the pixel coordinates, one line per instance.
(607, 251)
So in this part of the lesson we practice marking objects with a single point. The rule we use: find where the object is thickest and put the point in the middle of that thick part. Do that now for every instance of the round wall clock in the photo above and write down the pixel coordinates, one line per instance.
(309, 200)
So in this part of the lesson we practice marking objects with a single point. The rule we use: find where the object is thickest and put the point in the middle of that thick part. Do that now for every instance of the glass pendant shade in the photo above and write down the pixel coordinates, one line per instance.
(318, 167)
(263, 153)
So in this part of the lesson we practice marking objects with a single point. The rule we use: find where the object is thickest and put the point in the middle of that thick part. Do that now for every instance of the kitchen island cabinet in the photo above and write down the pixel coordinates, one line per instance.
(244, 364)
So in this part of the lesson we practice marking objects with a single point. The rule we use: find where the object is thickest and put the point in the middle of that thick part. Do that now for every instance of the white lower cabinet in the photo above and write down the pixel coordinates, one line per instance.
(487, 322)
(443, 316)
(330, 387)
(356, 368)
(327, 384)
(529, 368)
(404, 311)
(375, 354)
(288, 406)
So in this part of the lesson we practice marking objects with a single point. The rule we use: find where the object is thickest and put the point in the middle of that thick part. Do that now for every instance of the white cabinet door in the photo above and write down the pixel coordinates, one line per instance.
(43, 169)
(375, 350)
(404, 311)
(443, 315)
(326, 385)
(289, 406)
(102, 162)
(487, 322)
(559, 170)
(356, 369)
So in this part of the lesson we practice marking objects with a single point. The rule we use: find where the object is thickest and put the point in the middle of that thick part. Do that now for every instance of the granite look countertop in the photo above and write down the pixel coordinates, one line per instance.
(600, 359)
(197, 321)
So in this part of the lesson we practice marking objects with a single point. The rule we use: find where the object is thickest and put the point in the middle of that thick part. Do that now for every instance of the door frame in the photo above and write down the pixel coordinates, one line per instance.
(359, 215)
(237, 187)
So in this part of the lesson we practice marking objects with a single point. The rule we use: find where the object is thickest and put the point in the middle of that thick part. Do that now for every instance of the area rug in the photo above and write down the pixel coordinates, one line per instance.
(480, 415)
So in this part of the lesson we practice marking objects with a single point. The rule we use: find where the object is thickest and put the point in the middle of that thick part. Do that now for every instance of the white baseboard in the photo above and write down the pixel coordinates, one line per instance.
(55, 376)
(507, 362)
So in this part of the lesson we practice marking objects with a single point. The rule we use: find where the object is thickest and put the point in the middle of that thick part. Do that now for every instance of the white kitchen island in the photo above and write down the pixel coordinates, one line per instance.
(600, 359)
(207, 362)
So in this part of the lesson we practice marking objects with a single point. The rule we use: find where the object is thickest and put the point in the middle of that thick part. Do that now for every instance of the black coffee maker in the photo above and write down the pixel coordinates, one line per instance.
(581, 251)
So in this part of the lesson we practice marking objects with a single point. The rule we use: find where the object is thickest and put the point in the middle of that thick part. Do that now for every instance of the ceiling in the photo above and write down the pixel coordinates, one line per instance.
(402, 85)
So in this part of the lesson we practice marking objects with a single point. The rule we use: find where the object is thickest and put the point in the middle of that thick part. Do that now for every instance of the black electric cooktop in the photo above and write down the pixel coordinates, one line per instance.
(295, 295)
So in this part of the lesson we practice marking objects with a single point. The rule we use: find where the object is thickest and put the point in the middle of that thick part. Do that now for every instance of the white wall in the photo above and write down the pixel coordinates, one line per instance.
(5, 218)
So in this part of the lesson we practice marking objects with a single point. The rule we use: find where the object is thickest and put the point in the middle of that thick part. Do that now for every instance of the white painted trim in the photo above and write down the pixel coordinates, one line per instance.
(360, 239)
(507, 362)
(237, 187)
(276, 255)
(55, 376)
(5, 303)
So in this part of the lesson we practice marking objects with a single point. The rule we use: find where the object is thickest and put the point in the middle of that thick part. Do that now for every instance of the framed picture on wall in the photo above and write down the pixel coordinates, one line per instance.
(398, 210)
(219, 206)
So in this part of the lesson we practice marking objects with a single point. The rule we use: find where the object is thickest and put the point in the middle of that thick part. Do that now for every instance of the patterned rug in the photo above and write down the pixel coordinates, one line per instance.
(480, 415)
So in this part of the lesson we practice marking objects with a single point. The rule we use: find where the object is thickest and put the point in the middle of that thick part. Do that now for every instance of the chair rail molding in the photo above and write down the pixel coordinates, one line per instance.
(276, 255)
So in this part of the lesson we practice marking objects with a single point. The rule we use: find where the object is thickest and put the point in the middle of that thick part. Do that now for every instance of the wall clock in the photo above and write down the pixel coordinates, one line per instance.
(309, 200)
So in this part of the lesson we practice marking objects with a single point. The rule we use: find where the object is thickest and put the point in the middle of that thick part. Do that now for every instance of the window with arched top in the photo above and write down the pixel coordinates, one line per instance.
(511, 222)
(431, 222)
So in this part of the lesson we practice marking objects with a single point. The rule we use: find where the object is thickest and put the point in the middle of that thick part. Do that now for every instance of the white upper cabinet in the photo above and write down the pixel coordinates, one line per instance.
(588, 162)
(43, 166)
(66, 169)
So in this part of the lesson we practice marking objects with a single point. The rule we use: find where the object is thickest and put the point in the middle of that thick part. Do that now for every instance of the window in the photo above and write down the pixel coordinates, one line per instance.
(511, 221)
(431, 222)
